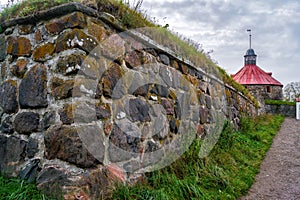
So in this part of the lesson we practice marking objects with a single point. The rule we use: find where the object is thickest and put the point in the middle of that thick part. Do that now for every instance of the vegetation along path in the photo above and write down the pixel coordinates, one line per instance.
(279, 176)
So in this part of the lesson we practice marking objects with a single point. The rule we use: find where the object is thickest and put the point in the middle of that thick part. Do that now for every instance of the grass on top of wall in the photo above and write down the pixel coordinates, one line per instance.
(227, 173)
(280, 102)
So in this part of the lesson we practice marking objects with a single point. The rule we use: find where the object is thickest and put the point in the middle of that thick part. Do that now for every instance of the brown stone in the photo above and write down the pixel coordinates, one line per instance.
(20, 68)
(174, 64)
(8, 97)
(184, 69)
(72, 20)
(110, 79)
(66, 114)
(134, 59)
(80, 112)
(75, 39)
(33, 88)
(97, 31)
(200, 130)
(61, 89)
(44, 52)
(38, 36)
(98, 184)
(19, 46)
(65, 144)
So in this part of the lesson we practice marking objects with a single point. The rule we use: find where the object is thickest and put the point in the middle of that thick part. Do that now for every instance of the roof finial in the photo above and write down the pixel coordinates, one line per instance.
(249, 30)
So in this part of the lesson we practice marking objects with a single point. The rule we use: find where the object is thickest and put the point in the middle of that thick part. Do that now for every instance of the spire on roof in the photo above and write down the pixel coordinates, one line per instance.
(250, 57)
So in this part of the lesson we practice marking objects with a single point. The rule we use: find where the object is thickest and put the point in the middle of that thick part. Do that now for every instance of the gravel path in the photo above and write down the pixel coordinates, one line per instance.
(279, 177)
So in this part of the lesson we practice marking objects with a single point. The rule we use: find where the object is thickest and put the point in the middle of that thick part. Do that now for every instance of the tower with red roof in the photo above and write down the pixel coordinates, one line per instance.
(260, 84)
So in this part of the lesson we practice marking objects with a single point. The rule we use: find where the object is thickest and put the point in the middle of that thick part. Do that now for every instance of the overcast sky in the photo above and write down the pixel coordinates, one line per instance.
(220, 25)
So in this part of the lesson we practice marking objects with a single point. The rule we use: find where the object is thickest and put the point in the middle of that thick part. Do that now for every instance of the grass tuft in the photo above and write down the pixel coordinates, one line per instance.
(16, 189)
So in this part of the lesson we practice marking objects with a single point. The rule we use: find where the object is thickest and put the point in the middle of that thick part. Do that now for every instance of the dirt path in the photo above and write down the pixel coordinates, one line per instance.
(279, 177)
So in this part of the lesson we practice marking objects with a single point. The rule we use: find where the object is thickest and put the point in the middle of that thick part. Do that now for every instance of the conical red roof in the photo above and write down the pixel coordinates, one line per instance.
(253, 75)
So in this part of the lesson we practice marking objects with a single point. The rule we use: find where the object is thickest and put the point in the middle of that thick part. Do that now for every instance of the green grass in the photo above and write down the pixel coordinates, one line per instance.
(16, 189)
(280, 102)
(29, 7)
(227, 173)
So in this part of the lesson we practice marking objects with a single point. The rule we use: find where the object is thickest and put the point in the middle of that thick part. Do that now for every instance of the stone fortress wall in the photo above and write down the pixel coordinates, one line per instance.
(84, 104)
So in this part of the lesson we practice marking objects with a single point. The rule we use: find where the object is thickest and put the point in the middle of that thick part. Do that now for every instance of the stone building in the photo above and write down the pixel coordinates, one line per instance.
(260, 84)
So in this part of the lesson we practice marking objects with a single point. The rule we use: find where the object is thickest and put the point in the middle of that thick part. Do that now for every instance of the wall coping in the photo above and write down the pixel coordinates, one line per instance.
(64, 9)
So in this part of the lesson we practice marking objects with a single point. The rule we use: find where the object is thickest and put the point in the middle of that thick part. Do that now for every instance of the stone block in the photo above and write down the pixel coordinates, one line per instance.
(8, 97)
(138, 110)
(12, 152)
(43, 52)
(2, 48)
(7, 125)
(75, 38)
(64, 143)
(110, 79)
(20, 46)
(61, 89)
(76, 19)
(26, 122)
(33, 88)
(20, 68)
(70, 64)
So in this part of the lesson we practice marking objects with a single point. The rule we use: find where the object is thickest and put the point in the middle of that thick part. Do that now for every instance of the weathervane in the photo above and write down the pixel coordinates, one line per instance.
(249, 30)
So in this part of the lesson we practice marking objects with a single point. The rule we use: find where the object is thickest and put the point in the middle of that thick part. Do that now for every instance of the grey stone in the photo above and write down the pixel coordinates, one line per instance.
(84, 112)
(31, 170)
(160, 90)
(164, 59)
(138, 110)
(12, 152)
(151, 147)
(7, 125)
(166, 75)
(202, 99)
(51, 179)
(26, 122)
(174, 125)
(9, 31)
(124, 141)
(32, 147)
(33, 88)
(48, 120)
(208, 102)
(2, 48)
(8, 97)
